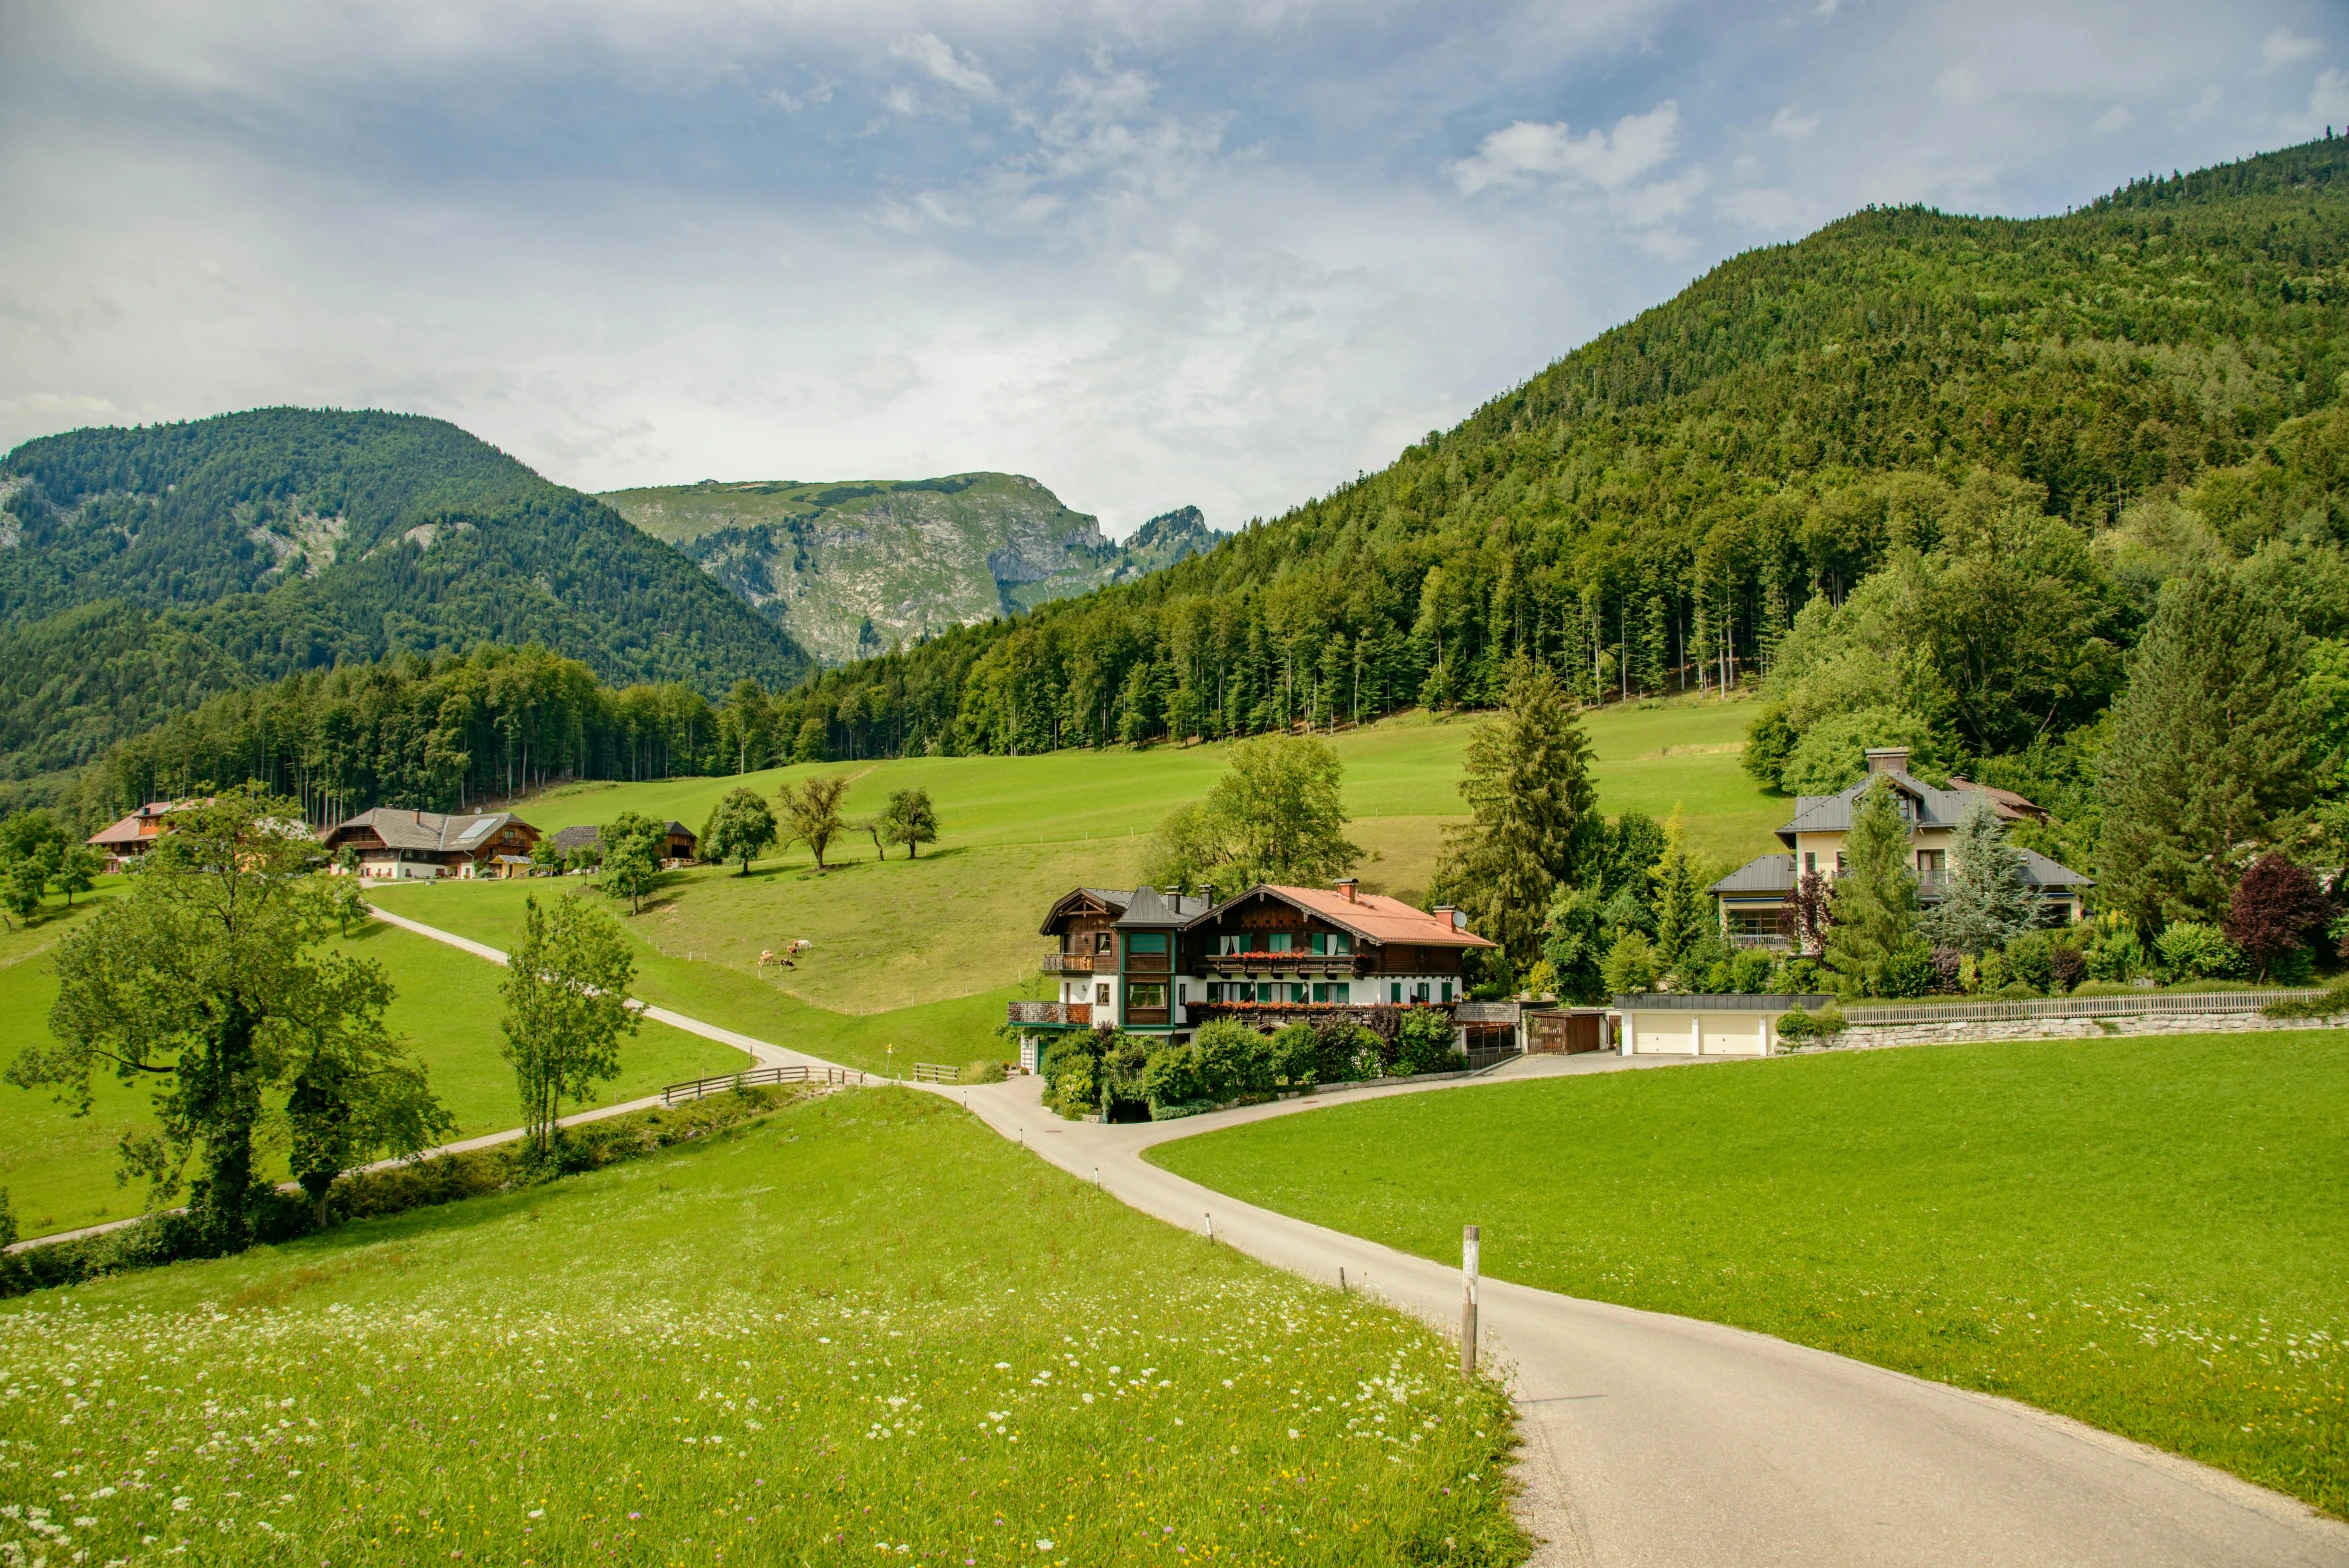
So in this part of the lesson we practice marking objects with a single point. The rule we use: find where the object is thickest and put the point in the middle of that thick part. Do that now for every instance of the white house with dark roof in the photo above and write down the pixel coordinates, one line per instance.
(401, 845)
(1752, 897)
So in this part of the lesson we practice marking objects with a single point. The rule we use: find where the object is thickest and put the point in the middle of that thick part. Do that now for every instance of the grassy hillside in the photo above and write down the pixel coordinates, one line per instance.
(2149, 1234)
(1017, 832)
(166, 561)
(851, 567)
(59, 1168)
(864, 1327)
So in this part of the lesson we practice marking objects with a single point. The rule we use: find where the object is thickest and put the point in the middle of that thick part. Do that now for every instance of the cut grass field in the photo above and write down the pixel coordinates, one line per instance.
(1017, 832)
(59, 1168)
(864, 1325)
(2149, 1234)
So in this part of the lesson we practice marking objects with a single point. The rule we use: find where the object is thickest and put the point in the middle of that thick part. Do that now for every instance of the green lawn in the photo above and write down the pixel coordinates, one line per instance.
(59, 1168)
(1020, 831)
(2149, 1234)
(864, 1327)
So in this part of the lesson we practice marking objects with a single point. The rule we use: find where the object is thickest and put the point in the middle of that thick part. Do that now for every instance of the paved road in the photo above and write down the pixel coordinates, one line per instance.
(1654, 1441)
(1658, 1440)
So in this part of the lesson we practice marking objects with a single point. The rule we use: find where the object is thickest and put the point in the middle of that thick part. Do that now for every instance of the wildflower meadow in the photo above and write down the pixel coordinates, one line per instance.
(860, 1328)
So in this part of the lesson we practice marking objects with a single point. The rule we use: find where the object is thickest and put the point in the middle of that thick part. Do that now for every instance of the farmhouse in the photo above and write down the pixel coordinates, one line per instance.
(397, 845)
(124, 842)
(1753, 897)
(1165, 963)
(678, 843)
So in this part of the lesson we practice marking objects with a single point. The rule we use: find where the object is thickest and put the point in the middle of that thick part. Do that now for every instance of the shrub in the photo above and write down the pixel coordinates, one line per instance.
(2191, 950)
(2067, 965)
(1630, 965)
(1344, 1052)
(1949, 967)
(2276, 910)
(1750, 971)
(1826, 1023)
(983, 1072)
(1171, 1077)
(1296, 1054)
(1424, 1043)
(2328, 1003)
(1799, 976)
(1233, 1060)
(1076, 1088)
(1542, 978)
(2030, 957)
(1907, 972)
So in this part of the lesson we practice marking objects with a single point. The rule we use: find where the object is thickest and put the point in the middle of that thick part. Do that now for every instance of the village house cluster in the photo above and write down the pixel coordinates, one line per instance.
(397, 844)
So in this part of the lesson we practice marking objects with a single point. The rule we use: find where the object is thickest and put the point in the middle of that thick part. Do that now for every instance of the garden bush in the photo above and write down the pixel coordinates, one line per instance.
(2191, 950)
(1424, 1043)
(984, 1072)
(1824, 1024)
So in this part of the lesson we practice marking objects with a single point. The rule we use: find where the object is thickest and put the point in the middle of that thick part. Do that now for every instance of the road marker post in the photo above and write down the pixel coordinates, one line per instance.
(1211, 1230)
(1469, 1246)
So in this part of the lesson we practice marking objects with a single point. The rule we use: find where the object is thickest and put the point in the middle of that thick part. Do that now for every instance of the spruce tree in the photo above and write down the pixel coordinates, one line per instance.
(1533, 819)
(2209, 749)
(1875, 907)
(1683, 911)
(1985, 903)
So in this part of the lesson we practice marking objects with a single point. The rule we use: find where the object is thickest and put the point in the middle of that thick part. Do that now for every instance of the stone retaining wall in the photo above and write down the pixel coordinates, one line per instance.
(1867, 1037)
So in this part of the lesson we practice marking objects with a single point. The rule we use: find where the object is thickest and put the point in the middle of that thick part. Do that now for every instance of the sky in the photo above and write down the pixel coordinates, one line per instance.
(1153, 254)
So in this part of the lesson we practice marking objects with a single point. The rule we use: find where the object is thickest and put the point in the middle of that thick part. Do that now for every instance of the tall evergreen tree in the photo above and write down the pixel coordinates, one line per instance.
(1683, 912)
(1985, 903)
(1875, 906)
(1533, 820)
(2209, 750)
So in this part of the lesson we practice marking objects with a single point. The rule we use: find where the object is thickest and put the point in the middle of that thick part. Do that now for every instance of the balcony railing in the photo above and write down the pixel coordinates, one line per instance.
(1053, 1015)
(1772, 941)
(1072, 963)
(1348, 964)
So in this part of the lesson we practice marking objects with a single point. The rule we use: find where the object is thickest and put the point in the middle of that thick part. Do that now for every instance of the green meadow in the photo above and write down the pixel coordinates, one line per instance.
(864, 1326)
(59, 1167)
(2149, 1234)
(1017, 832)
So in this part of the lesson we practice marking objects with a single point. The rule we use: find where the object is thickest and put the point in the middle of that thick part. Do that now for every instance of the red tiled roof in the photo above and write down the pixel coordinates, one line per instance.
(124, 832)
(1378, 917)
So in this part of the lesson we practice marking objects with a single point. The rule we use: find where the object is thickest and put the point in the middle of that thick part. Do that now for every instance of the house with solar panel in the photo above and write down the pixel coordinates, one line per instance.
(1754, 899)
(397, 845)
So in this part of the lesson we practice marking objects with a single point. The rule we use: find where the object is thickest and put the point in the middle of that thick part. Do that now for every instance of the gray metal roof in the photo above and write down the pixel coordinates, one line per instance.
(1763, 874)
(427, 830)
(1935, 808)
(1724, 1002)
(1149, 907)
(2039, 871)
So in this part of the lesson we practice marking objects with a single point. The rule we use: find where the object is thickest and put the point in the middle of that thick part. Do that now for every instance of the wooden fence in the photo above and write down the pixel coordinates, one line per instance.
(935, 1072)
(758, 1077)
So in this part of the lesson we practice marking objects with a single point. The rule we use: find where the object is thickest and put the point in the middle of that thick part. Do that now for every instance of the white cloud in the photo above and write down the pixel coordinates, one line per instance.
(1773, 210)
(2283, 46)
(1607, 159)
(811, 97)
(1960, 84)
(2113, 119)
(2330, 101)
(1643, 205)
(934, 55)
(2207, 105)
(1793, 126)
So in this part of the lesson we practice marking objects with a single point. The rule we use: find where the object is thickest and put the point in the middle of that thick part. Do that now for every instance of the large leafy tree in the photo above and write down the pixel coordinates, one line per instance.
(1532, 822)
(739, 828)
(205, 982)
(811, 814)
(2209, 750)
(631, 844)
(1276, 816)
(909, 819)
(1985, 903)
(566, 991)
(2276, 910)
(354, 1093)
(1874, 913)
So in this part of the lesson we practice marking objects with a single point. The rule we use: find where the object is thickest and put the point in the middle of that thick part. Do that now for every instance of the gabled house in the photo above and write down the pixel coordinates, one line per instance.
(124, 842)
(399, 845)
(678, 842)
(1164, 963)
(1753, 897)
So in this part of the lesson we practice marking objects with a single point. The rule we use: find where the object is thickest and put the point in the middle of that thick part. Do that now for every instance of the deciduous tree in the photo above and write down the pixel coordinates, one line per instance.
(740, 828)
(1275, 817)
(566, 991)
(910, 819)
(2275, 911)
(811, 814)
(631, 845)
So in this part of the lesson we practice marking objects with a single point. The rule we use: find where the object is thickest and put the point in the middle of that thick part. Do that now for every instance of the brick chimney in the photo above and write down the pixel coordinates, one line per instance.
(1347, 886)
(1887, 759)
(1450, 916)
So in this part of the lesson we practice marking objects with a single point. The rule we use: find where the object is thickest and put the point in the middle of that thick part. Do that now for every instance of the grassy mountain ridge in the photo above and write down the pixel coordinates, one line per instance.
(1662, 500)
(851, 567)
(143, 568)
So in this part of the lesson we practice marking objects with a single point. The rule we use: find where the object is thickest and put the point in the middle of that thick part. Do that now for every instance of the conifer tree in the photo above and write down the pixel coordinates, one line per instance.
(1533, 820)
(1985, 903)
(1683, 914)
(2209, 749)
(1875, 906)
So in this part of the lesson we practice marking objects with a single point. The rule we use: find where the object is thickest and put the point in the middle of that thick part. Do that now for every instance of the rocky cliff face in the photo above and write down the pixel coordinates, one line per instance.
(850, 568)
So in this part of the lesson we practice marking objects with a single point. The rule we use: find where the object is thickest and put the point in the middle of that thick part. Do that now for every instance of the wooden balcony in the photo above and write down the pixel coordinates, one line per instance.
(1330, 965)
(1053, 1015)
(1075, 963)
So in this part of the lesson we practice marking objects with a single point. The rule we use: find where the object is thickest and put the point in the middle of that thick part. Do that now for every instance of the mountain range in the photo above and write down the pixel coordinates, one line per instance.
(850, 568)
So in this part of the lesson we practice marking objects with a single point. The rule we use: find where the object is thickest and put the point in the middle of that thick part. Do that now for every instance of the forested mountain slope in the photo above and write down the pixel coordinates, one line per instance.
(141, 569)
(1656, 508)
(850, 568)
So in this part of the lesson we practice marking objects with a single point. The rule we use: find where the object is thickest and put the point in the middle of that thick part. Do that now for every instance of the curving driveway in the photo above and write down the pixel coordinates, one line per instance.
(1664, 1442)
